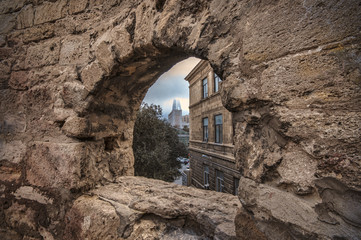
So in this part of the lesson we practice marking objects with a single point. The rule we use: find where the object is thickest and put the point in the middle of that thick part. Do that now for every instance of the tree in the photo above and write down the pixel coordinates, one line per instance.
(156, 145)
(186, 128)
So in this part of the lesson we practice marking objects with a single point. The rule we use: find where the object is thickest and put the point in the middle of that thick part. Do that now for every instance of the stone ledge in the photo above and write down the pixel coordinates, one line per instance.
(139, 203)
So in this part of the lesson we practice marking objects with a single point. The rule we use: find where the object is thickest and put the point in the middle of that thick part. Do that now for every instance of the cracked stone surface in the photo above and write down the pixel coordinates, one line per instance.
(73, 75)
(140, 208)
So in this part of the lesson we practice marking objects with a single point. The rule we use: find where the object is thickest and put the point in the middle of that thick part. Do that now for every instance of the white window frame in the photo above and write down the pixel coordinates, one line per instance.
(219, 181)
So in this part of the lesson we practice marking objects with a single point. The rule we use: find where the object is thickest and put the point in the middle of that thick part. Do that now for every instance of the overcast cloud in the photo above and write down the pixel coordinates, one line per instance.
(171, 85)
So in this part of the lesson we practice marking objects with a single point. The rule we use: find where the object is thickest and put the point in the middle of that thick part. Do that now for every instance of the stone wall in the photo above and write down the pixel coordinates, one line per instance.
(73, 74)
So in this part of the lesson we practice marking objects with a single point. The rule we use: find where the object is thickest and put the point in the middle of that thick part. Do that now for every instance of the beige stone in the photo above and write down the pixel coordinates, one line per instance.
(27, 192)
(10, 174)
(286, 208)
(11, 5)
(7, 22)
(91, 218)
(13, 151)
(46, 53)
(34, 34)
(20, 216)
(60, 160)
(105, 56)
(25, 18)
(73, 94)
(74, 50)
(19, 80)
(77, 127)
(49, 11)
(92, 75)
(135, 198)
(76, 6)
(13, 123)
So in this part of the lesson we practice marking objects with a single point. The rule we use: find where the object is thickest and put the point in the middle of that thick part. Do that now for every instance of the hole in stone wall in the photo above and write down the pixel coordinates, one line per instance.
(161, 132)
(60, 124)
(110, 143)
(159, 5)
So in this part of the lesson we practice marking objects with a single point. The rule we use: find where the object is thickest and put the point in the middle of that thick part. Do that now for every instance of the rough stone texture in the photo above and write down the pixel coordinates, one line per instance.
(140, 208)
(73, 75)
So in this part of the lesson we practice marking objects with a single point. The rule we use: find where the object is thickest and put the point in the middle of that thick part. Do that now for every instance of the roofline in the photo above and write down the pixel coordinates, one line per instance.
(195, 69)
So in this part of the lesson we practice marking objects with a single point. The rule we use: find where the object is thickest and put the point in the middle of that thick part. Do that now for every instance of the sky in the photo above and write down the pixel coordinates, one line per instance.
(171, 85)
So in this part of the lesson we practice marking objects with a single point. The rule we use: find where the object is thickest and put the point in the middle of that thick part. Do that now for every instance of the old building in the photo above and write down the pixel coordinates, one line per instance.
(211, 133)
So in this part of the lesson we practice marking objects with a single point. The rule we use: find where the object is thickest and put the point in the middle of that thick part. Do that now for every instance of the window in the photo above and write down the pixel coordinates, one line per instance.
(206, 177)
(217, 80)
(218, 125)
(219, 181)
(205, 87)
(205, 129)
(235, 186)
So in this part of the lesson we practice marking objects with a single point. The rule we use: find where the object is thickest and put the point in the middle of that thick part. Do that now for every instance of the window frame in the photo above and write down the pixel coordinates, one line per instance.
(206, 176)
(218, 128)
(219, 181)
(216, 82)
(204, 88)
(205, 129)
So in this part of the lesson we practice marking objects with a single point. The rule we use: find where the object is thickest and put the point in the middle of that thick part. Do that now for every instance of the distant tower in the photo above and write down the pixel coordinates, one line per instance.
(176, 105)
(175, 116)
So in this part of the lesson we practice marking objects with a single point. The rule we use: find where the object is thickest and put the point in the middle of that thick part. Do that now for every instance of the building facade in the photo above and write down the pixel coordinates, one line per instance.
(211, 147)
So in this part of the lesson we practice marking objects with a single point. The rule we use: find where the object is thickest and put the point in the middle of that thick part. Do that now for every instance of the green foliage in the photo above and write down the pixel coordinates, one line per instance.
(186, 129)
(156, 145)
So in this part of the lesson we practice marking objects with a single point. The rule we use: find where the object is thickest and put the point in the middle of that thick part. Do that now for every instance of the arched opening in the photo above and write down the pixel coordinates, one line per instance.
(160, 143)
(111, 114)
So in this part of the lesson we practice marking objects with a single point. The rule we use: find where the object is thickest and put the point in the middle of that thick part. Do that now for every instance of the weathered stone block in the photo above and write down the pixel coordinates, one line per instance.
(298, 169)
(105, 56)
(38, 98)
(18, 58)
(20, 216)
(12, 123)
(77, 127)
(19, 80)
(74, 94)
(280, 214)
(5, 53)
(7, 23)
(28, 192)
(4, 82)
(47, 160)
(74, 50)
(25, 18)
(7, 6)
(52, 74)
(33, 34)
(77, 6)
(286, 28)
(13, 151)
(92, 75)
(9, 173)
(122, 40)
(49, 11)
(2, 40)
(91, 217)
(46, 53)
(4, 67)
(134, 199)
